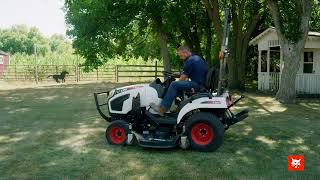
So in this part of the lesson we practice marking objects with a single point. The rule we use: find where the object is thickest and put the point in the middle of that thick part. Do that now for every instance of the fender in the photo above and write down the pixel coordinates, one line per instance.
(203, 103)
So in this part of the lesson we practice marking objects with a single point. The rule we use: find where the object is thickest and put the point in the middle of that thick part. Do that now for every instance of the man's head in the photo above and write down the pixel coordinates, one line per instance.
(184, 52)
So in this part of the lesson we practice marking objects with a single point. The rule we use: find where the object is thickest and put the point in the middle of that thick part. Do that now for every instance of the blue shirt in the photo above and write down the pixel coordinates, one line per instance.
(195, 68)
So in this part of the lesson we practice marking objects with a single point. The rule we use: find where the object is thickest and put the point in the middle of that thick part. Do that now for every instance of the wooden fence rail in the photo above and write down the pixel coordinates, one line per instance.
(43, 73)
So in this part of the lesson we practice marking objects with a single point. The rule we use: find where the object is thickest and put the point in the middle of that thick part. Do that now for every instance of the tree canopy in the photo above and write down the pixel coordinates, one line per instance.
(24, 40)
(102, 29)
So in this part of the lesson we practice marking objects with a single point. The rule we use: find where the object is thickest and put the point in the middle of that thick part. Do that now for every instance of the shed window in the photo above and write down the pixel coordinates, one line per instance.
(1, 59)
(308, 62)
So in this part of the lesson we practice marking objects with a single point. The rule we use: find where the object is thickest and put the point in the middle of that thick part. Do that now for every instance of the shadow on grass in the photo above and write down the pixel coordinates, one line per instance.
(56, 133)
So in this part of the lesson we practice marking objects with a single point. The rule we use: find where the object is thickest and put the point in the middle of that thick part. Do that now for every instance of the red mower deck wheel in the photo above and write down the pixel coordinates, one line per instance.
(117, 132)
(204, 131)
(117, 135)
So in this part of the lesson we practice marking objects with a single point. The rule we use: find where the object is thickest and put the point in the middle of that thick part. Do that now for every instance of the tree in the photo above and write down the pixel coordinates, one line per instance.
(102, 29)
(315, 17)
(291, 19)
(154, 11)
(21, 39)
(245, 17)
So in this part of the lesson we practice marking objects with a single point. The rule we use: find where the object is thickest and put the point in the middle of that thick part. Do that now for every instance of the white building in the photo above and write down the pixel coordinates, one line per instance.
(270, 64)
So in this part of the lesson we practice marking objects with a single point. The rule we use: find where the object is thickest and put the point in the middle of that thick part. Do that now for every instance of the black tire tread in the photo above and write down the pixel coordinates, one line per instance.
(213, 121)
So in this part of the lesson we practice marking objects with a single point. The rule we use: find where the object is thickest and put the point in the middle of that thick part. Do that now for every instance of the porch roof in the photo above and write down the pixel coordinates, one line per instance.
(311, 35)
(3, 53)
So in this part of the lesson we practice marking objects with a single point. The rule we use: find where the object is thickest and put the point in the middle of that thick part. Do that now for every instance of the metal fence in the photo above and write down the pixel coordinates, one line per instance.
(43, 73)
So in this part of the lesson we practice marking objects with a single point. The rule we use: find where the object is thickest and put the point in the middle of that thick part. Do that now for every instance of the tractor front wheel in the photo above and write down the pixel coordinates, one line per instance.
(205, 131)
(117, 132)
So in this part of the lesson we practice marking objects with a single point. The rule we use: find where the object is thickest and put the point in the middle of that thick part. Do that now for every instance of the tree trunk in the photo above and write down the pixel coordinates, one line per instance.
(237, 65)
(237, 62)
(214, 15)
(194, 34)
(242, 64)
(291, 51)
(292, 56)
(233, 82)
(208, 43)
(164, 50)
(233, 66)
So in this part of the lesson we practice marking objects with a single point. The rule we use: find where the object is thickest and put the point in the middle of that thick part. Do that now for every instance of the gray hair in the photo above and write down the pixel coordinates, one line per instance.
(184, 48)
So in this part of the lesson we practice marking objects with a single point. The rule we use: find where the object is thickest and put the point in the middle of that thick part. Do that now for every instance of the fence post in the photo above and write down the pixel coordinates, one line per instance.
(56, 69)
(117, 74)
(75, 73)
(26, 73)
(97, 73)
(79, 71)
(156, 70)
(15, 71)
(36, 71)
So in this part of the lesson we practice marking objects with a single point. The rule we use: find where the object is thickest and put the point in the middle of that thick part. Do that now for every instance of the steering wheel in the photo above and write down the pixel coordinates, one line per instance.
(166, 73)
(170, 74)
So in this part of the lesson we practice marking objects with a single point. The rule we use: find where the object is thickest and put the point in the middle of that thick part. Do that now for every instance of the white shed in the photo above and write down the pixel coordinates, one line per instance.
(270, 63)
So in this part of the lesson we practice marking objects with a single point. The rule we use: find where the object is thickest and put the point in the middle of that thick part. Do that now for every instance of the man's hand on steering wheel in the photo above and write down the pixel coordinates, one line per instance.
(176, 74)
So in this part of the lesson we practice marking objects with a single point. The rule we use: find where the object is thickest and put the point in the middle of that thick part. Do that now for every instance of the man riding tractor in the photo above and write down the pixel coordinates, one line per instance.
(194, 68)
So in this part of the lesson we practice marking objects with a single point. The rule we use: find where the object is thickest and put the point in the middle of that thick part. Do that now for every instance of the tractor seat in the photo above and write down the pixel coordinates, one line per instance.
(200, 89)
(210, 83)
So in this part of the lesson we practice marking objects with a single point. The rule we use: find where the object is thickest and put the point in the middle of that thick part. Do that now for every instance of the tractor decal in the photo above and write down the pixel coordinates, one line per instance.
(211, 102)
(127, 89)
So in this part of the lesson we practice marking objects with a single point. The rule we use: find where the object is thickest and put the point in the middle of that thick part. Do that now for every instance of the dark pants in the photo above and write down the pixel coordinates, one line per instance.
(173, 90)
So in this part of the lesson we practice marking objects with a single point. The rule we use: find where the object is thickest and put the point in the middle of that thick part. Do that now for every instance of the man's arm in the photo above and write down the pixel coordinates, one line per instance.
(187, 69)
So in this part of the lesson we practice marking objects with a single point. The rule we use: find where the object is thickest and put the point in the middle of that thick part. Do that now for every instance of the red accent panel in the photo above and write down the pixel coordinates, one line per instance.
(134, 87)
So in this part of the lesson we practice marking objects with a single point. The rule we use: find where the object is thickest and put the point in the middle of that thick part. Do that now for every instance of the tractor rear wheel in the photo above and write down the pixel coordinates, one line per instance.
(204, 131)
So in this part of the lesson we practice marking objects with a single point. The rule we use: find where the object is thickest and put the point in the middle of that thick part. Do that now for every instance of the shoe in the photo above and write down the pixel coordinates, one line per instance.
(159, 109)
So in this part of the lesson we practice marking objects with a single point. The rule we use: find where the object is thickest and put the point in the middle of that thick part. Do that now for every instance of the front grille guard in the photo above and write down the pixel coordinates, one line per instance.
(106, 115)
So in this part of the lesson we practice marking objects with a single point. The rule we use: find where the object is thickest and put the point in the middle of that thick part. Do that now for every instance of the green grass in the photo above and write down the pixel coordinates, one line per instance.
(56, 133)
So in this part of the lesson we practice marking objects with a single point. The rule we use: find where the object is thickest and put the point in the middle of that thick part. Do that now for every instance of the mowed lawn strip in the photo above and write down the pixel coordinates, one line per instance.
(56, 133)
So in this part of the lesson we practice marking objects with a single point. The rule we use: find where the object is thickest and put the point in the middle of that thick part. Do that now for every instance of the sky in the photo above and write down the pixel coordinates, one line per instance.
(46, 15)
